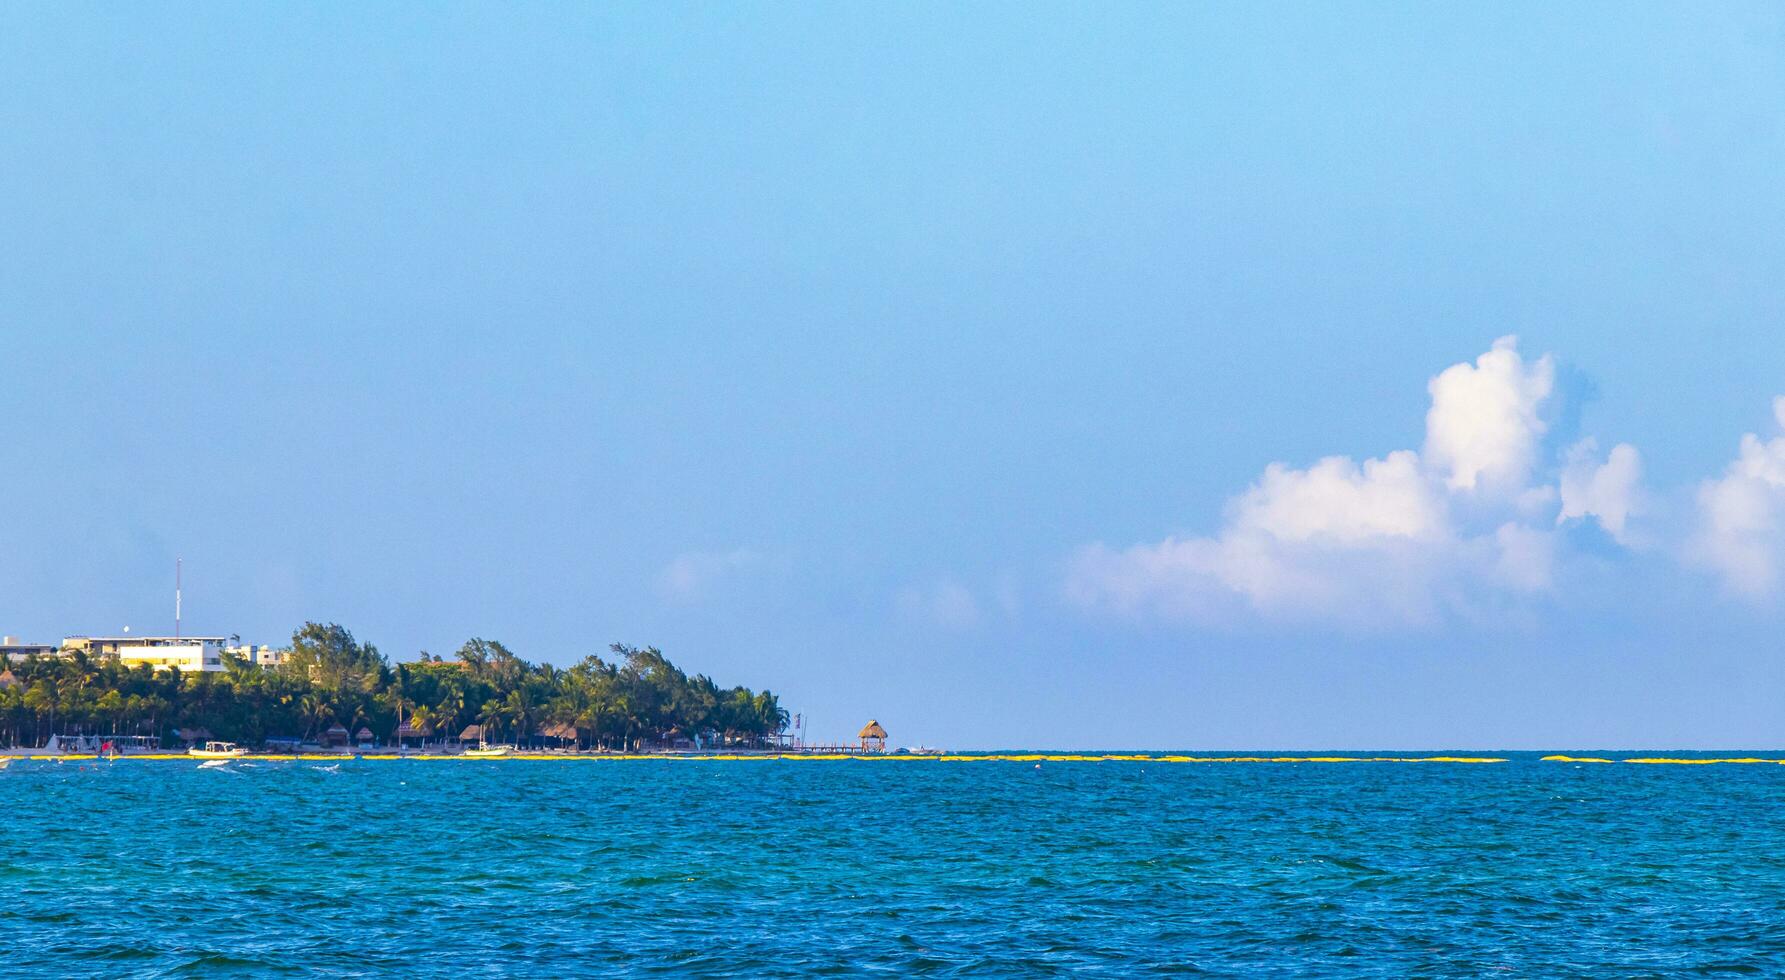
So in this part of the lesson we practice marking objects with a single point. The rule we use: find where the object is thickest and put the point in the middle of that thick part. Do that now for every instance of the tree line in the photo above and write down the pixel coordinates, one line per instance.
(635, 699)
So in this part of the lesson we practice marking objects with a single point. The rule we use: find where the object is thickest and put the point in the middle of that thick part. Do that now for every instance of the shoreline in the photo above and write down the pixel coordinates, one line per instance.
(829, 757)
(1022, 757)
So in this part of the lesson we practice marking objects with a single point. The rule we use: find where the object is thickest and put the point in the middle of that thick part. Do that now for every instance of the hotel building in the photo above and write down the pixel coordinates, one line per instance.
(189, 653)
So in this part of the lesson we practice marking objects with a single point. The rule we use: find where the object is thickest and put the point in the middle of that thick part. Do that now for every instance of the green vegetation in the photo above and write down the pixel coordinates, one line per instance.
(638, 699)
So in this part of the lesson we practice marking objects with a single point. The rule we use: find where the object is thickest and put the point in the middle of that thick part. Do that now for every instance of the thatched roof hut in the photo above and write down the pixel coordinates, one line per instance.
(364, 734)
(873, 737)
(561, 731)
(336, 734)
(471, 733)
(8, 678)
(408, 729)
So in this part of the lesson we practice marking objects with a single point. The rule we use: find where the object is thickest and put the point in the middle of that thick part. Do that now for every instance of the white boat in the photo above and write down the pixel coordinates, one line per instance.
(68, 745)
(218, 750)
(487, 751)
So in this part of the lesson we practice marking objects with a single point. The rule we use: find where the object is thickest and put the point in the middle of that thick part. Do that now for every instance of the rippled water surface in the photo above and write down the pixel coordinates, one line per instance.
(689, 868)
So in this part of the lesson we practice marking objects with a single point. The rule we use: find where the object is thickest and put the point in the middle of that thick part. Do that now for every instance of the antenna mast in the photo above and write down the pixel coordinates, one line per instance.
(177, 563)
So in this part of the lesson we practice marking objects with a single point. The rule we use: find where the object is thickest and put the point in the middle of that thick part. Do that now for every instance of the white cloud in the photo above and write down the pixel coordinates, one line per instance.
(946, 603)
(1738, 514)
(1333, 539)
(1527, 557)
(1604, 491)
(1338, 501)
(1405, 539)
(1358, 544)
(1387, 581)
(693, 574)
(1485, 424)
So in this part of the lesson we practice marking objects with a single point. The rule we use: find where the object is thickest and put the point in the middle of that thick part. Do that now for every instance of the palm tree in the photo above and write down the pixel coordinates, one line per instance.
(40, 700)
(421, 719)
(451, 709)
(493, 716)
(520, 706)
(314, 710)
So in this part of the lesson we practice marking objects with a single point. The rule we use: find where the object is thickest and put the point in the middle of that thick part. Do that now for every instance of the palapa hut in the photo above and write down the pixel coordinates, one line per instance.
(873, 737)
(8, 679)
(195, 736)
(336, 736)
(472, 733)
(561, 732)
(365, 737)
(409, 730)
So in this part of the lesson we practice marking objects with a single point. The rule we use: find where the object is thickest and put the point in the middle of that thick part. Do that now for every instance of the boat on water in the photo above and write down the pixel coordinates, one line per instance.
(217, 750)
(60, 745)
(484, 750)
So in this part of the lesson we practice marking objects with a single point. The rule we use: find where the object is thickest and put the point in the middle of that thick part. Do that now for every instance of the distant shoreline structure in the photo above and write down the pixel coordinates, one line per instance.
(1036, 758)
(330, 693)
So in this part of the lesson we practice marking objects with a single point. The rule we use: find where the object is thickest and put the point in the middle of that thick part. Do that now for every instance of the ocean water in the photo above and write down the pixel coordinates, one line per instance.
(802, 868)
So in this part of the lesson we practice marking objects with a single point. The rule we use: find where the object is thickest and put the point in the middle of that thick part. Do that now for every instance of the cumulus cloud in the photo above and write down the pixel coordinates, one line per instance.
(1337, 500)
(1365, 585)
(1485, 424)
(1404, 539)
(1738, 533)
(1525, 558)
(1604, 491)
(1286, 544)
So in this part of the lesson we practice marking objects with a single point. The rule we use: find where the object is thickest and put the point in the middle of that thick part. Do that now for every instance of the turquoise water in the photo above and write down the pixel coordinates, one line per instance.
(686, 868)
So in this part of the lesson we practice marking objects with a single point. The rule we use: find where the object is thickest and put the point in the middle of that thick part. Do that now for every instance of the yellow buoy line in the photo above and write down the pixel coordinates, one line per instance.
(853, 757)
(766, 757)
(1664, 761)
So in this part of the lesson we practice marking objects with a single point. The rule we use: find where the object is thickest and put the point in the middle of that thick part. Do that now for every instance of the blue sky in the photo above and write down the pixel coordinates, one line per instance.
(925, 363)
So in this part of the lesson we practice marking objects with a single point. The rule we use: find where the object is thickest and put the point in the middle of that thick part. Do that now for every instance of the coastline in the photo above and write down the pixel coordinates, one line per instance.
(1029, 757)
(751, 757)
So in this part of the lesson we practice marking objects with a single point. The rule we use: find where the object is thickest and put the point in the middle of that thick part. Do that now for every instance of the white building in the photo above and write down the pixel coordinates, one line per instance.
(260, 656)
(189, 653)
(12, 649)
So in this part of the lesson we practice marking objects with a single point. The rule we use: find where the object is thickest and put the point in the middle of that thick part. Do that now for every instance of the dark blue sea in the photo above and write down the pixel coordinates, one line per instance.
(800, 868)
